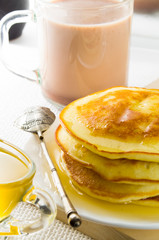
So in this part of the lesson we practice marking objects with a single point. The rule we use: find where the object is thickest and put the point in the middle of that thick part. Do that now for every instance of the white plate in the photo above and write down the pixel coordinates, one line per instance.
(116, 215)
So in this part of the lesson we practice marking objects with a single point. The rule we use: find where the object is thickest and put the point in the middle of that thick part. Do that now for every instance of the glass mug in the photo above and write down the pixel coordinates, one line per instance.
(16, 184)
(7, 6)
(84, 45)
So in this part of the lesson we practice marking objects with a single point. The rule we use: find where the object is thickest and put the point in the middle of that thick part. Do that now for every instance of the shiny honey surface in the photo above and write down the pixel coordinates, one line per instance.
(124, 113)
(13, 185)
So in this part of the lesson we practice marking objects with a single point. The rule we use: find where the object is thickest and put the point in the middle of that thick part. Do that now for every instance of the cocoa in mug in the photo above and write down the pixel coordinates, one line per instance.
(84, 53)
(84, 45)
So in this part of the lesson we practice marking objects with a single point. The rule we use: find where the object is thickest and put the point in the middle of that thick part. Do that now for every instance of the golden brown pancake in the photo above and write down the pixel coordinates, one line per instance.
(93, 185)
(116, 123)
(151, 202)
(120, 170)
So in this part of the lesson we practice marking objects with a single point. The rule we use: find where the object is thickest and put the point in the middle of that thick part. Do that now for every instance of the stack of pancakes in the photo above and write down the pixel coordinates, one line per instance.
(110, 145)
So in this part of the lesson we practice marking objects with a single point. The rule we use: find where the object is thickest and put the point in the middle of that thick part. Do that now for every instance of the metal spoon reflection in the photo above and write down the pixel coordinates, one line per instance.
(38, 120)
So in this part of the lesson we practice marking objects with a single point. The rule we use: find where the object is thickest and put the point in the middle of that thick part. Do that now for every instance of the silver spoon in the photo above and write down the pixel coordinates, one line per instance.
(38, 120)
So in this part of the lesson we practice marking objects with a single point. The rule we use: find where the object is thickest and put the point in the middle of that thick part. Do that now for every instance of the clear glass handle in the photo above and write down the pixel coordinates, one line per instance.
(43, 201)
(21, 16)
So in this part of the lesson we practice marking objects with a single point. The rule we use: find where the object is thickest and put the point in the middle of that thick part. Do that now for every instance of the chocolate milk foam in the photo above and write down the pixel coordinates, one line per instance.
(83, 54)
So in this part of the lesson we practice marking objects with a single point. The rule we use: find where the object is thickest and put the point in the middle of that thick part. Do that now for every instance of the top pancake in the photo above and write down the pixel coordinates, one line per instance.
(117, 122)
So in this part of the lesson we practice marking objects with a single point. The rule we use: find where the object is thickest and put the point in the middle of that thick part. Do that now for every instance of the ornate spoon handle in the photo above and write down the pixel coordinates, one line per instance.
(72, 215)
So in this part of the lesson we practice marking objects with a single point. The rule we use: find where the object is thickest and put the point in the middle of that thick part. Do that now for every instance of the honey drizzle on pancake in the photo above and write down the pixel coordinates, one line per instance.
(123, 113)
